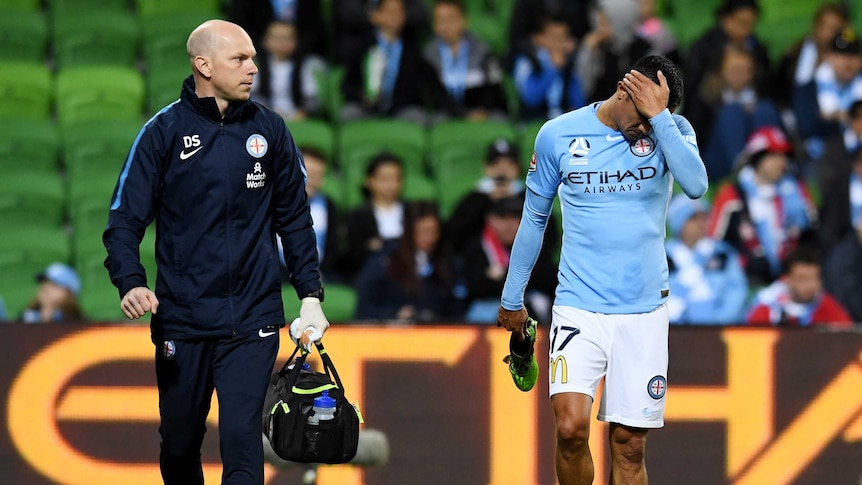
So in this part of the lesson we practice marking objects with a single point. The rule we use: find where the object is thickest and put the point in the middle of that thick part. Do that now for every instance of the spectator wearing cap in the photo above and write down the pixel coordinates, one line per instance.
(735, 22)
(843, 267)
(486, 263)
(502, 178)
(797, 299)
(837, 173)
(707, 283)
(56, 299)
(839, 79)
(765, 211)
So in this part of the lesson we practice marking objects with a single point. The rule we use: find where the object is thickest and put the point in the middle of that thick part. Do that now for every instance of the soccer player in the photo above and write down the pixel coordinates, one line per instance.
(220, 175)
(613, 164)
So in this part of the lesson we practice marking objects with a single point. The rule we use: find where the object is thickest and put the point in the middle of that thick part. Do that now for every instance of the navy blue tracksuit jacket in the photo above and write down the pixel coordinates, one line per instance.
(219, 189)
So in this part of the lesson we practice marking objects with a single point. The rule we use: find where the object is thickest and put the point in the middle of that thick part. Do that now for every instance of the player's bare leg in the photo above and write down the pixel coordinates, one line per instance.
(572, 458)
(628, 447)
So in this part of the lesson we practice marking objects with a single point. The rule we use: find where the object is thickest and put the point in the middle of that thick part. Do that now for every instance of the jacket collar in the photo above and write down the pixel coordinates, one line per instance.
(207, 106)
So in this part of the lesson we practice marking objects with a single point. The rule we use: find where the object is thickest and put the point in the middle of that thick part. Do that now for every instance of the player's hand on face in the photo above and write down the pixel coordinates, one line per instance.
(138, 301)
(512, 320)
(649, 98)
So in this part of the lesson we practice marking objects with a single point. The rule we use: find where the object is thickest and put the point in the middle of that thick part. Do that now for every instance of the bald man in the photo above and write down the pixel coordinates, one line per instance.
(220, 175)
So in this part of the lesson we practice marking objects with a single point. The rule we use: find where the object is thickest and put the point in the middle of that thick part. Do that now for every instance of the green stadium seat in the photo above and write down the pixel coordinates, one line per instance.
(96, 38)
(164, 37)
(691, 19)
(292, 303)
(164, 86)
(20, 6)
(528, 141)
(340, 302)
(333, 187)
(314, 133)
(28, 144)
(63, 7)
(418, 186)
(26, 90)
(361, 140)
(100, 300)
(487, 28)
(97, 147)
(96, 186)
(329, 90)
(99, 93)
(23, 36)
(457, 175)
(89, 217)
(41, 242)
(29, 197)
(464, 136)
(152, 7)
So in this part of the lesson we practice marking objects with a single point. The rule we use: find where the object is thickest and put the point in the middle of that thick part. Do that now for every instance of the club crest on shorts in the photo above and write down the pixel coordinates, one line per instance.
(169, 349)
(657, 387)
(643, 147)
(256, 145)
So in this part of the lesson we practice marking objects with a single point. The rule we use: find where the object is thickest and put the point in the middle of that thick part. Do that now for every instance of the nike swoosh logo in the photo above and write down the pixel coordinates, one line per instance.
(260, 332)
(184, 155)
(613, 138)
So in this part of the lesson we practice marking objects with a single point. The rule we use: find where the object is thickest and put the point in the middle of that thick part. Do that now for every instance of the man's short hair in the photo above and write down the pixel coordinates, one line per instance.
(802, 254)
(649, 67)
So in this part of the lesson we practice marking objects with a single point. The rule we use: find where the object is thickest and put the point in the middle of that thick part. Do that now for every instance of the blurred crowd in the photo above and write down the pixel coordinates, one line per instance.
(778, 239)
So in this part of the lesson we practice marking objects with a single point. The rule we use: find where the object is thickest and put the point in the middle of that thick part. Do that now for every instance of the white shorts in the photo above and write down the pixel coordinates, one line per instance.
(629, 351)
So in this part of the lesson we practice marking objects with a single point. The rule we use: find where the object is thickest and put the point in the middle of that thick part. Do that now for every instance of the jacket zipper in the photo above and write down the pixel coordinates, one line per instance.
(228, 232)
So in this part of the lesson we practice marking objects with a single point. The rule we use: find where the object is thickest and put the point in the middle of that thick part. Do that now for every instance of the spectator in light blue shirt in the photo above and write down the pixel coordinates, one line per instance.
(707, 283)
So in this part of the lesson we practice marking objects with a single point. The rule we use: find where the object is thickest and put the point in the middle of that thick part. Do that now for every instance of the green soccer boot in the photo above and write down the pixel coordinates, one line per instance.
(522, 359)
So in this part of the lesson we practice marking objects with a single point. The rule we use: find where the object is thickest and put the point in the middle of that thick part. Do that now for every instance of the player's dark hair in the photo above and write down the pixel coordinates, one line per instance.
(649, 66)
(855, 110)
(802, 254)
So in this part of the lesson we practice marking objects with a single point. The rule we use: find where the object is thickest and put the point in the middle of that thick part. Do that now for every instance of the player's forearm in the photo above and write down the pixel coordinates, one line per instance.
(681, 154)
(525, 251)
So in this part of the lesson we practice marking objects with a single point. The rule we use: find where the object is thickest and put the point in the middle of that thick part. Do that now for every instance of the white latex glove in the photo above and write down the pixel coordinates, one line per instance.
(311, 324)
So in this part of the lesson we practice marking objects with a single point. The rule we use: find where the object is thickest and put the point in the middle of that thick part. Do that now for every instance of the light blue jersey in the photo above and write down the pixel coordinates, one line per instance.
(614, 197)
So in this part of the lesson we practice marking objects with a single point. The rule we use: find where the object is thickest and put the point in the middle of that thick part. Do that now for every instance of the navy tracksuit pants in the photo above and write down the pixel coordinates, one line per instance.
(187, 371)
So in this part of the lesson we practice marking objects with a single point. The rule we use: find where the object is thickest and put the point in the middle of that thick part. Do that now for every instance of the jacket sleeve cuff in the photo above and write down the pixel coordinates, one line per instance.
(129, 283)
(307, 288)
